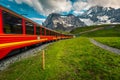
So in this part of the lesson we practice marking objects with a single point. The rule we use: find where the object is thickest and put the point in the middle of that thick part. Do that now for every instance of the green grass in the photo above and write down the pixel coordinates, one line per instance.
(107, 32)
(82, 29)
(63, 32)
(110, 41)
(87, 28)
(73, 59)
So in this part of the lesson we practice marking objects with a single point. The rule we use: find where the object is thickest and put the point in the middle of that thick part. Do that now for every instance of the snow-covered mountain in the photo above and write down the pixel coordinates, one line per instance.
(100, 15)
(63, 22)
(95, 15)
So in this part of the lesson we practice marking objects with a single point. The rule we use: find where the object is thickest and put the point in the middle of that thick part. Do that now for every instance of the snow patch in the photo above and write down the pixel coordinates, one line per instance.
(90, 15)
(103, 18)
(87, 21)
(63, 16)
(89, 12)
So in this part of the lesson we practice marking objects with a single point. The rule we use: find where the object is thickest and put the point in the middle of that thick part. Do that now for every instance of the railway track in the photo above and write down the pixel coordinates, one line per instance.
(4, 63)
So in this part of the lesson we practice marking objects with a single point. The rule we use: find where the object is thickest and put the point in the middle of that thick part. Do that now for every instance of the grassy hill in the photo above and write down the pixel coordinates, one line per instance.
(64, 32)
(107, 31)
(82, 29)
(73, 59)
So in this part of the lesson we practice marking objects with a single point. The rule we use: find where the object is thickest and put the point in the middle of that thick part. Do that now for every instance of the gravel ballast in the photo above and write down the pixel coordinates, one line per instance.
(32, 52)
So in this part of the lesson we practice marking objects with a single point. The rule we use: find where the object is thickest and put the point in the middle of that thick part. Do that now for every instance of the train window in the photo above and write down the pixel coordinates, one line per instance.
(42, 31)
(29, 28)
(52, 33)
(12, 24)
(38, 30)
(47, 32)
(57, 34)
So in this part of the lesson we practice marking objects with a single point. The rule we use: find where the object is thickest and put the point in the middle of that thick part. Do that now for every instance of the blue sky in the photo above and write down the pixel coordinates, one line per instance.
(38, 10)
(24, 10)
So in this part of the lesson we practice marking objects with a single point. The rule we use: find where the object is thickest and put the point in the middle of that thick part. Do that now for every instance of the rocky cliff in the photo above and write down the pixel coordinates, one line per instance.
(63, 22)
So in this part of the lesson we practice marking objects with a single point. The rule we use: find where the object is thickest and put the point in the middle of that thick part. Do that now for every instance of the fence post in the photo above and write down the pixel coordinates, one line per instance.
(43, 60)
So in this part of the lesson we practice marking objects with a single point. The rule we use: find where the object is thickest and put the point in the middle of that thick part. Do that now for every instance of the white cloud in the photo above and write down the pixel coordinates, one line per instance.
(48, 6)
(38, 19)
(29, 2)
(105, 3)
(79, 5)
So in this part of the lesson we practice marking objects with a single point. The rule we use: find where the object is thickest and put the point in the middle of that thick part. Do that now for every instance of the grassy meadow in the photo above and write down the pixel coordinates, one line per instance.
(73, 59)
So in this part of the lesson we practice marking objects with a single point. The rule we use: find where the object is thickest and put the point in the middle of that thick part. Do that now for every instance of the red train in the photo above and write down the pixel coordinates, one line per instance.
(18, 32)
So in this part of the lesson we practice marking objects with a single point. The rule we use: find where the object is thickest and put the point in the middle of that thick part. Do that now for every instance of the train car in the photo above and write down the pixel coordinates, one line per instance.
(18, 32)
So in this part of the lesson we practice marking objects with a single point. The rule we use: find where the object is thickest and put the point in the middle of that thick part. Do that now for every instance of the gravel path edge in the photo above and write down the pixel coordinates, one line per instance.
(111, 49)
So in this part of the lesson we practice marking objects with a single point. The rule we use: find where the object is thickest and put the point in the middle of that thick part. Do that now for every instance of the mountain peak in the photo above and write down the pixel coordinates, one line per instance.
(63, 22)
(54, 14)
(101, 15)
